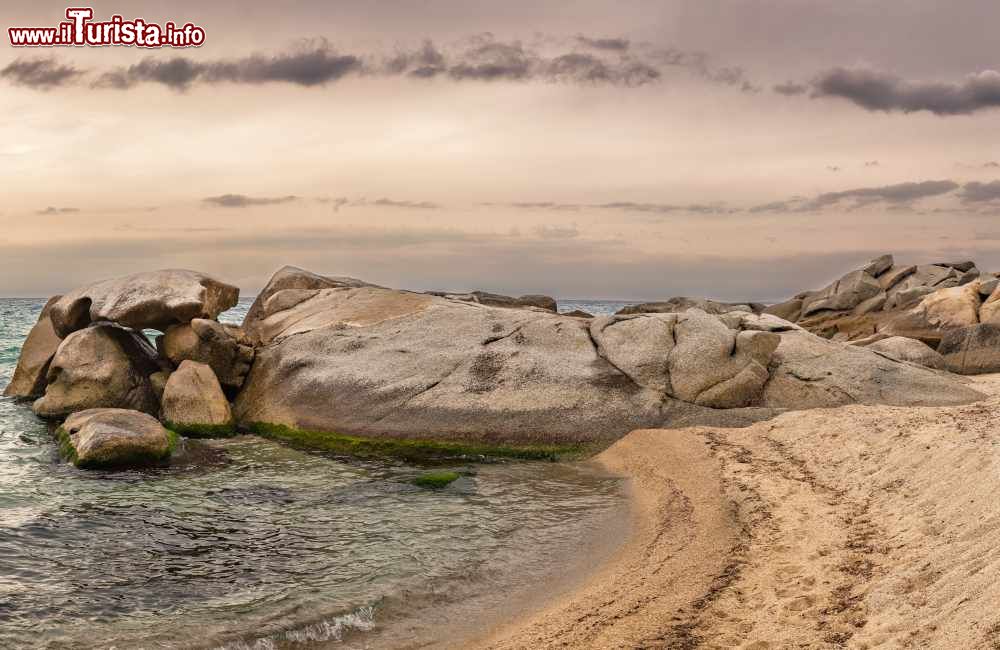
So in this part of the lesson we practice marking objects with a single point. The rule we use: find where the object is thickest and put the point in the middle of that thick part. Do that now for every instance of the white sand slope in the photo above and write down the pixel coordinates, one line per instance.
(861, 527)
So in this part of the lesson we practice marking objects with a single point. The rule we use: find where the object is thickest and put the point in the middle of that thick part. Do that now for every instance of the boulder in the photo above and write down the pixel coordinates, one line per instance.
(102, 366)
(194, 404)
(988, 285)
(682, 303)
(878, 266)
(497, 300)
(846, 293)
(972, 350)
(810, 372)
(894, 276)
(578, 313)
(873, 304)
(989, 311)
(938, 312)
(223, 347)
(789, 310)
(962, 267)
(969, 276)
(926, 276)
(36, 353)
(912, 350)
(150, 300)
(291, 277)
(111, 438)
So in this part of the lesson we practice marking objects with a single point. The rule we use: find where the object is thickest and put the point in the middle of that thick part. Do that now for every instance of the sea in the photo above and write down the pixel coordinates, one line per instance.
(249, 544)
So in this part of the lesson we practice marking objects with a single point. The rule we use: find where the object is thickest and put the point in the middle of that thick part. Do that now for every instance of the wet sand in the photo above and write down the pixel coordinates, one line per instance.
(856, 527)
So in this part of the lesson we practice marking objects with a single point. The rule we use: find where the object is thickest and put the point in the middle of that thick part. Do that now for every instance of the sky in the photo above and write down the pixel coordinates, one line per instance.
(631, 149)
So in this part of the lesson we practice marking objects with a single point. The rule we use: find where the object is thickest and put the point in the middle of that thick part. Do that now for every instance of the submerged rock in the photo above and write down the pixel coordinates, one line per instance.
(150, 300)
(100, 366)
(36, 354)
(109, 438)
(194, 404)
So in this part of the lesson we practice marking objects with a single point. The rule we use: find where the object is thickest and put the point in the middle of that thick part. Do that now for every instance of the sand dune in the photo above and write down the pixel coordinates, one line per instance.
(857, 527)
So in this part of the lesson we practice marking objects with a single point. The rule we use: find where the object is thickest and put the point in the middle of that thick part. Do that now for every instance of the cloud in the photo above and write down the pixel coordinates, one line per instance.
(899, 193)
(416, 205)
(624, 206)
(699, 64)
(53, 210)
(244, 201)
(557, 232)
(608, 44)
(40, 73)
(871, 163)
(980, 192)
(790, 89)
(832, 168)
(877, 90)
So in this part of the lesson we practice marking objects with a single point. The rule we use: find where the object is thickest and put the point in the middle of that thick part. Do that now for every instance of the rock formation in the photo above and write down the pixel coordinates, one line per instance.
(194, 404)
(223, 347)
(36, 353)
(912, 350)
(110, 438)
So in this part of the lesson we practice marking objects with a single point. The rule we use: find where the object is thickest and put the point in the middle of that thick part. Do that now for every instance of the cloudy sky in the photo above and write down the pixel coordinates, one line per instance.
(609, 149)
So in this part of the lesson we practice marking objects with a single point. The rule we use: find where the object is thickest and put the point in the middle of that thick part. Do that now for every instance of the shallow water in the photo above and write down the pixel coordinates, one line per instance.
(249, 544)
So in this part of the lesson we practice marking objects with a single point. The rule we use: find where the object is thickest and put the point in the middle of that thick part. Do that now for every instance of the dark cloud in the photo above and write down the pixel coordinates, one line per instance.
(871, 163)
(54, 210)
(700, 64)
(311, 63)
(899, 193)
(624, 206)
(557, 232)
(416, 205)
(791, 88)
(876, 90)
(244, 201)
(607, 44)
(980, 192)
(40, 73)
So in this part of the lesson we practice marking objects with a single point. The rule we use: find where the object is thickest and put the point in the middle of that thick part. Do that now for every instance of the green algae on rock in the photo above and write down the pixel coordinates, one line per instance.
(417, 449)
(115, 439)
(436, 480)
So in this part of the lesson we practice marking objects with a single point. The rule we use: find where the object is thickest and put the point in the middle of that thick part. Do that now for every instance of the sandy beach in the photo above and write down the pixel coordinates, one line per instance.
(860, 526)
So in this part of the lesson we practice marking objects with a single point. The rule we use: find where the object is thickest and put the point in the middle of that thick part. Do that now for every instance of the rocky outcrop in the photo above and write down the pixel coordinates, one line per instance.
(937, 313)
(844, 294)
(377, 362)
(810, 372)
(102, 366)
(497, 300)
(223, 347)
(682, 303)
(110, 438)
(194, 404)
(36, 353)
(912, 350)
(151, 300)
(972, 350)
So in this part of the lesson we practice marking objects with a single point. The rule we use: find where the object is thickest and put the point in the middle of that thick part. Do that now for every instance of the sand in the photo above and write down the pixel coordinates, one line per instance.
(860, 527)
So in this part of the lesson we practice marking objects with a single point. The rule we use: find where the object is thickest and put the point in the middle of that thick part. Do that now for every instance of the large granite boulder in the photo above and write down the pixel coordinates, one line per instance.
(224, 348)
(972, 350)
(102, 366)
(36, 353)
(194, 404)
(846, 293)
(150, 300)
(110, 438)
(810, 372)
(912, 350)
(924, 279)
(944, 309)
(377, 362)
(291, 277)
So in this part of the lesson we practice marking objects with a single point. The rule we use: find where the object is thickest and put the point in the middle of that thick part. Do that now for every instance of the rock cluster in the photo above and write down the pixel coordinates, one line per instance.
(339, 355)
(884, 304)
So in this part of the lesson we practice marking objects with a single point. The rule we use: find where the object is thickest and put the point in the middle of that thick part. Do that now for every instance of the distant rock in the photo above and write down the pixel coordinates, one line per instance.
(972, 350)
(878, 266)
(150, 300)
(194, 404)
(682, 303)
(110, 438)
(579, 313)
(36, 353)
(102, 366)
(497, 300)
(912, 350)
(223, 347)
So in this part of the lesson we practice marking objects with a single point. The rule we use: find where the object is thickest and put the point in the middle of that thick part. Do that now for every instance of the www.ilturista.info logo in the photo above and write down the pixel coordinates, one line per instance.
(80, 30)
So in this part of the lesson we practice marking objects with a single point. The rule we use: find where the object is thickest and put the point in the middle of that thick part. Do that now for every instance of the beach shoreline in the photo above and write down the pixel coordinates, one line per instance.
(860, 526)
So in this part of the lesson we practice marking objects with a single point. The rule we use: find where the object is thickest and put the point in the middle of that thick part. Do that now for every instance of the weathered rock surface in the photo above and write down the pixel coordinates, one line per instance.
(153, 300)
(938, 312)
(115, 438)
(372, 361)
(223, 347)
(103, 366)
(912, 350)
(286, 278)
(682, 303)
(36, 353)
(579, 313)
(497, 300)
(810, 372)
(194, 404)
(972, 350)
(846, 293)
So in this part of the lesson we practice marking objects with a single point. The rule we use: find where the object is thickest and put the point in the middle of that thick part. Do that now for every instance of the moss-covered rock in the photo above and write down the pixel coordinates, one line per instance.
(115, 439)
(436, 480)
(416, 449)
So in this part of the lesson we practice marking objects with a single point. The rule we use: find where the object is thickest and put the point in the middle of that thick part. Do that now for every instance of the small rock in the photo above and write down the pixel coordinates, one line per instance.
(878, 266)
(110, 438)
(194, 404)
